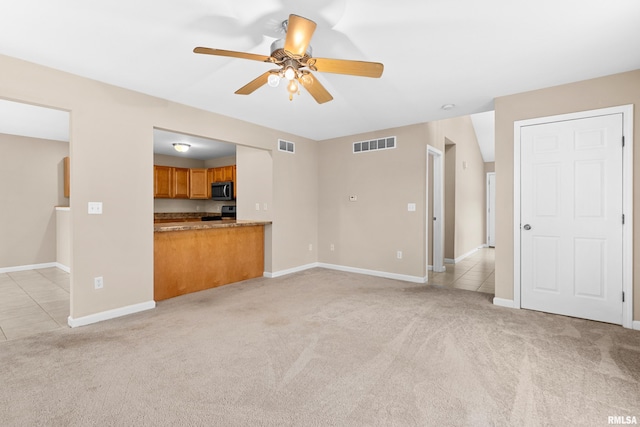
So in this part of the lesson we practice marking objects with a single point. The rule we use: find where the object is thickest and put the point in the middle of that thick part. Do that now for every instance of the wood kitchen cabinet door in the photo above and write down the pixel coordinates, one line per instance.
(199, 187)
(222, 174)
(67, 177)
(163, 182)
(181, 181)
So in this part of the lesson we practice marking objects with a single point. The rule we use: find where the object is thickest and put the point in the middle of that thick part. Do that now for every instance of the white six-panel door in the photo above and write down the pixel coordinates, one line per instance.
(571, 217)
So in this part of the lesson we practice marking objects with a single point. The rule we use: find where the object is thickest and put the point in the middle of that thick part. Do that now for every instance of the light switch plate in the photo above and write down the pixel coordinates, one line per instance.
(95, 208)
(411, 207)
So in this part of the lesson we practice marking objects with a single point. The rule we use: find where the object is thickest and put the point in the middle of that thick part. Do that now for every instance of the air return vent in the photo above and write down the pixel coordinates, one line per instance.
(375, 144)
(287, 146)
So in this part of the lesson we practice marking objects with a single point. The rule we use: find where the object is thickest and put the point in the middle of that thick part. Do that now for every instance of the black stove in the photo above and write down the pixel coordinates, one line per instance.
(227, 212)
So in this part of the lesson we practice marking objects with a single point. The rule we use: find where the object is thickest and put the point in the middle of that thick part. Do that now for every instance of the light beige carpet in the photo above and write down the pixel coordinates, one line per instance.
(324, 348)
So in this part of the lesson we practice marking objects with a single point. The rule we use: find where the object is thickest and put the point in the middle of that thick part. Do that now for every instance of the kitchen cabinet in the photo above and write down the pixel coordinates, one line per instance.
(181, 179)
(194, 259)
(199, 187)
(223, 174)
(187, 183)
(163, 178)
(67, 177)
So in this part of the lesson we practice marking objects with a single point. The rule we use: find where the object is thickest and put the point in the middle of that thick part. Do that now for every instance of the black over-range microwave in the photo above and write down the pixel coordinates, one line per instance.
(222, 190)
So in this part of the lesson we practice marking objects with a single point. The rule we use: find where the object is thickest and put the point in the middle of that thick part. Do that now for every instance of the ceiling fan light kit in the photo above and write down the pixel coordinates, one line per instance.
(293, 55)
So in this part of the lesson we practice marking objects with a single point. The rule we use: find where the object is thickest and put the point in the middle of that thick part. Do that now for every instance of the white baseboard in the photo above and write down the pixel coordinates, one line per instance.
(110, 314)
(28, 267)
(501, 302)
(636, 325)
(461, 257)
(290, 270)
(63, 267)
(396, 276)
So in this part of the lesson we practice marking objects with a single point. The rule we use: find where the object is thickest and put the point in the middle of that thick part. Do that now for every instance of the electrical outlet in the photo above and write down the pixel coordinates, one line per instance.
(264, 206)
(411, 207)
(399, 254)
(310, 246)
(98, 282)
(95, 208)
(257, 206)
(332, 247)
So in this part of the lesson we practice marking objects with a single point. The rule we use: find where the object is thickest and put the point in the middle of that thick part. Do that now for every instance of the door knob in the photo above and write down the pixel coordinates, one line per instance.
(527, 227)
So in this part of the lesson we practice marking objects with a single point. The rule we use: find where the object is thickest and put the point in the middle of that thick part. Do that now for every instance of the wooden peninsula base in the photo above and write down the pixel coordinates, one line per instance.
(191, 258)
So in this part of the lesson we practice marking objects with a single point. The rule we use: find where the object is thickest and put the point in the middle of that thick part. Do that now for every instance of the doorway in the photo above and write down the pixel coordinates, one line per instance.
(435, 211)
(35, 286)
(572, 247)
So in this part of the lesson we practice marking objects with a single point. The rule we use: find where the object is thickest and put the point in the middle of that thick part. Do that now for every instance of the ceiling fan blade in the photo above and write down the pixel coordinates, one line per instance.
(343, 66)
(313, 86)
(254, 84)
(299, 33)
(233, 54)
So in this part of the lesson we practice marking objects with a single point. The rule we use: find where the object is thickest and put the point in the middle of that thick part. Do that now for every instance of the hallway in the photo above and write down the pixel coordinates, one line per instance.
(474, 273)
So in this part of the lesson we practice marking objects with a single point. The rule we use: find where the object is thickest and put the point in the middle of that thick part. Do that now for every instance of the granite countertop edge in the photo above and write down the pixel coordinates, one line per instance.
(185, 226)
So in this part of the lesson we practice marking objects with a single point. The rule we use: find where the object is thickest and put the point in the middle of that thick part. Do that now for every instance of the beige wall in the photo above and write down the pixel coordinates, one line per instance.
(220, 161)
(108, 122)
(295, 204)
(63, 237)
(469, 207)
(489, 167)
(31, 185)
(367, 233)
(449, 201)
(619, 89)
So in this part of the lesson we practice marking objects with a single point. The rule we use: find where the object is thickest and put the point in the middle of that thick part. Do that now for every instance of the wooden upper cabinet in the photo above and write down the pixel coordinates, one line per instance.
(67, 177)
(181, 181)
(163, 178)
(199, 187)
(223, 174)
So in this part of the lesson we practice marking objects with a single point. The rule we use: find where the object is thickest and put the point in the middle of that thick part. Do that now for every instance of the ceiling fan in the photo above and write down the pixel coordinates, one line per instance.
(293, 55)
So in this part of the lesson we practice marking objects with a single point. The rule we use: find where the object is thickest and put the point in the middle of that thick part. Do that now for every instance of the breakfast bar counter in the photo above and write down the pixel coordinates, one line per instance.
(193, 256)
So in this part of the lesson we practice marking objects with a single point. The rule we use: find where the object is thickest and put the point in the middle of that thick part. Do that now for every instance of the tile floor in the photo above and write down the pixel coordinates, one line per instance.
(474, 273)
(36, 301)
(33, 301)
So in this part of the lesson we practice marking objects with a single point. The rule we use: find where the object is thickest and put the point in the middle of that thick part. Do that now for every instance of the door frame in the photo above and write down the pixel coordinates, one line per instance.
(627, 199)
(438, 212)
(487, 205)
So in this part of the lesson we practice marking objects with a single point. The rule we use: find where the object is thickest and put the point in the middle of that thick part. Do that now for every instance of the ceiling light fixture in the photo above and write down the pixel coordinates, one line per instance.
(181, 147)
(447, 107)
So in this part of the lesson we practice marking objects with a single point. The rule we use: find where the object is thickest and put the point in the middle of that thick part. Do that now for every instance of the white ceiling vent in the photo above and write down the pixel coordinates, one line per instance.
(375, 144)
(287, 146)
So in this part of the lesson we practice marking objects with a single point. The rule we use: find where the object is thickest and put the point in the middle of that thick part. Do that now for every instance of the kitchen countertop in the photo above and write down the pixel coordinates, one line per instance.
(182, 215)
(204, 225)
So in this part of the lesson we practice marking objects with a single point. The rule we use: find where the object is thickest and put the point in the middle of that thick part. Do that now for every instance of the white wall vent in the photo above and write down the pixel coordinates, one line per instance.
(375, 144)
(287, 146)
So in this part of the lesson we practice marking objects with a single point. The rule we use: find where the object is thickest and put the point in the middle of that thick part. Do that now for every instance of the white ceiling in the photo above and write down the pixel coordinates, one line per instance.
(36, 122)
(484, 125)
(201, 148)
(435, 52)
